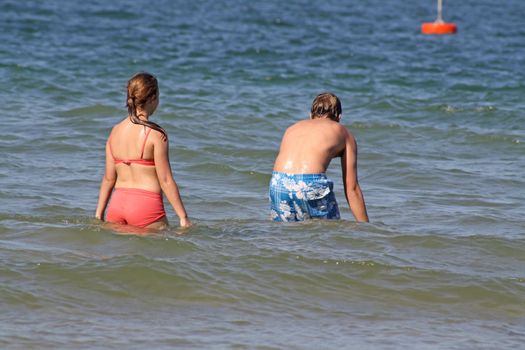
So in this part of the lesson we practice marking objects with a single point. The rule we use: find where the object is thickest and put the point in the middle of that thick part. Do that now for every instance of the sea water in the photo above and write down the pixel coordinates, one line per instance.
(440, 126)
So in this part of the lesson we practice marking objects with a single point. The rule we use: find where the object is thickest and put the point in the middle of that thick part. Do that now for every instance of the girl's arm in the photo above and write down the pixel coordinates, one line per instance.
(166, 180)
(107, 184)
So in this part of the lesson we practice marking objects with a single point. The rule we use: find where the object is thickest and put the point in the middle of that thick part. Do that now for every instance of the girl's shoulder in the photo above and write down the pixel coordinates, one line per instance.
(157, 136)
(119, 125)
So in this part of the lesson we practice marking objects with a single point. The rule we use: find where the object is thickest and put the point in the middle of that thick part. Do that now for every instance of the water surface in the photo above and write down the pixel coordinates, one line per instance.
(439, 123)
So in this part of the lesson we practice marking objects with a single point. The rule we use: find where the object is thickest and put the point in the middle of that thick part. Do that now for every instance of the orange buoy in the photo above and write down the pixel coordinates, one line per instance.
(439, 27)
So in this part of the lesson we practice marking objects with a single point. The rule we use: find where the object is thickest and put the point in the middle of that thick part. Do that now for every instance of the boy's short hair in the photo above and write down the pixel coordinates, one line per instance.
(326, 105)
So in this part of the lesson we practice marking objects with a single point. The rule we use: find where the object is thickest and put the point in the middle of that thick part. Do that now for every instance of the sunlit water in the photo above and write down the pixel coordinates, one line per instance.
(440, 126)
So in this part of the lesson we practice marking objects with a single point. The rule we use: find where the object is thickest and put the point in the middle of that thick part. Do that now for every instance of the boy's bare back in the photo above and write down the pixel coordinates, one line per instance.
(308, 146)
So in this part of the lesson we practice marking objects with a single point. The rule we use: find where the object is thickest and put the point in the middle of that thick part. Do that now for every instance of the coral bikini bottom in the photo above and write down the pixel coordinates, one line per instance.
(133, 206)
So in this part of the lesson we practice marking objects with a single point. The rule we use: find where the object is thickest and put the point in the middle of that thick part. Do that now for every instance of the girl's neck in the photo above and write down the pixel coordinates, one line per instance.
(142, 114)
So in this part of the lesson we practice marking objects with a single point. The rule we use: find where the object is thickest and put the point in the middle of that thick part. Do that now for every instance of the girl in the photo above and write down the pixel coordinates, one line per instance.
(137, 164)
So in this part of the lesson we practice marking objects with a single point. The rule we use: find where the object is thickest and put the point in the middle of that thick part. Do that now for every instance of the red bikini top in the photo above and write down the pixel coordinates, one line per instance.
(141, 160)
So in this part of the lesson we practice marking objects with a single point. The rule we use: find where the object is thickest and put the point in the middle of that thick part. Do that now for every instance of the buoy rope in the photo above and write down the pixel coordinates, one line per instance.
(439, 18)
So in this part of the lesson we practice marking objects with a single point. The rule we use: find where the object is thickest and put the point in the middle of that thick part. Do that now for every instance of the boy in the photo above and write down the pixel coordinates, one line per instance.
(299, 188)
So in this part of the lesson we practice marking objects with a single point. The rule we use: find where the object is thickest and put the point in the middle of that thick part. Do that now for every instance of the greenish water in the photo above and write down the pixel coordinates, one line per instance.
(440, 126)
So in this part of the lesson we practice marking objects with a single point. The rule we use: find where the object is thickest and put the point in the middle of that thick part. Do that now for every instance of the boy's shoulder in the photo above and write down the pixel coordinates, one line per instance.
(320, 124)
(315, 128)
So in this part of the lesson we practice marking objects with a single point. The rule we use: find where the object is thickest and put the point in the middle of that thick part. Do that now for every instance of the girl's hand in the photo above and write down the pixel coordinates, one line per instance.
(185, 222)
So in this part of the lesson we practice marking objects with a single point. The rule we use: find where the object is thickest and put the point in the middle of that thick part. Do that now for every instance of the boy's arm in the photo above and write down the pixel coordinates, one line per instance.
(107, 184)
(353, 193)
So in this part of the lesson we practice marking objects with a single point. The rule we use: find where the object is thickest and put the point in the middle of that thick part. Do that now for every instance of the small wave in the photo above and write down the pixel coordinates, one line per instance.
(457, 109)
(492, 138)
(94, 110)
(70, 216)
(113, 14)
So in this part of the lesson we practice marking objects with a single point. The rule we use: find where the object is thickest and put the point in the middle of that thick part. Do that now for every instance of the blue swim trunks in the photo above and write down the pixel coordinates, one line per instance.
(296, 197)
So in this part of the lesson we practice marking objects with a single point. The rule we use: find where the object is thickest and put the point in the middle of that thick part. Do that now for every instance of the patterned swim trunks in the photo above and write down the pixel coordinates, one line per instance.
(296, 197)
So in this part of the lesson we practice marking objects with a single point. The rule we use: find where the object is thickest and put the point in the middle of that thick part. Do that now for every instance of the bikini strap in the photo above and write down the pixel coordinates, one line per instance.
(144, 144)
